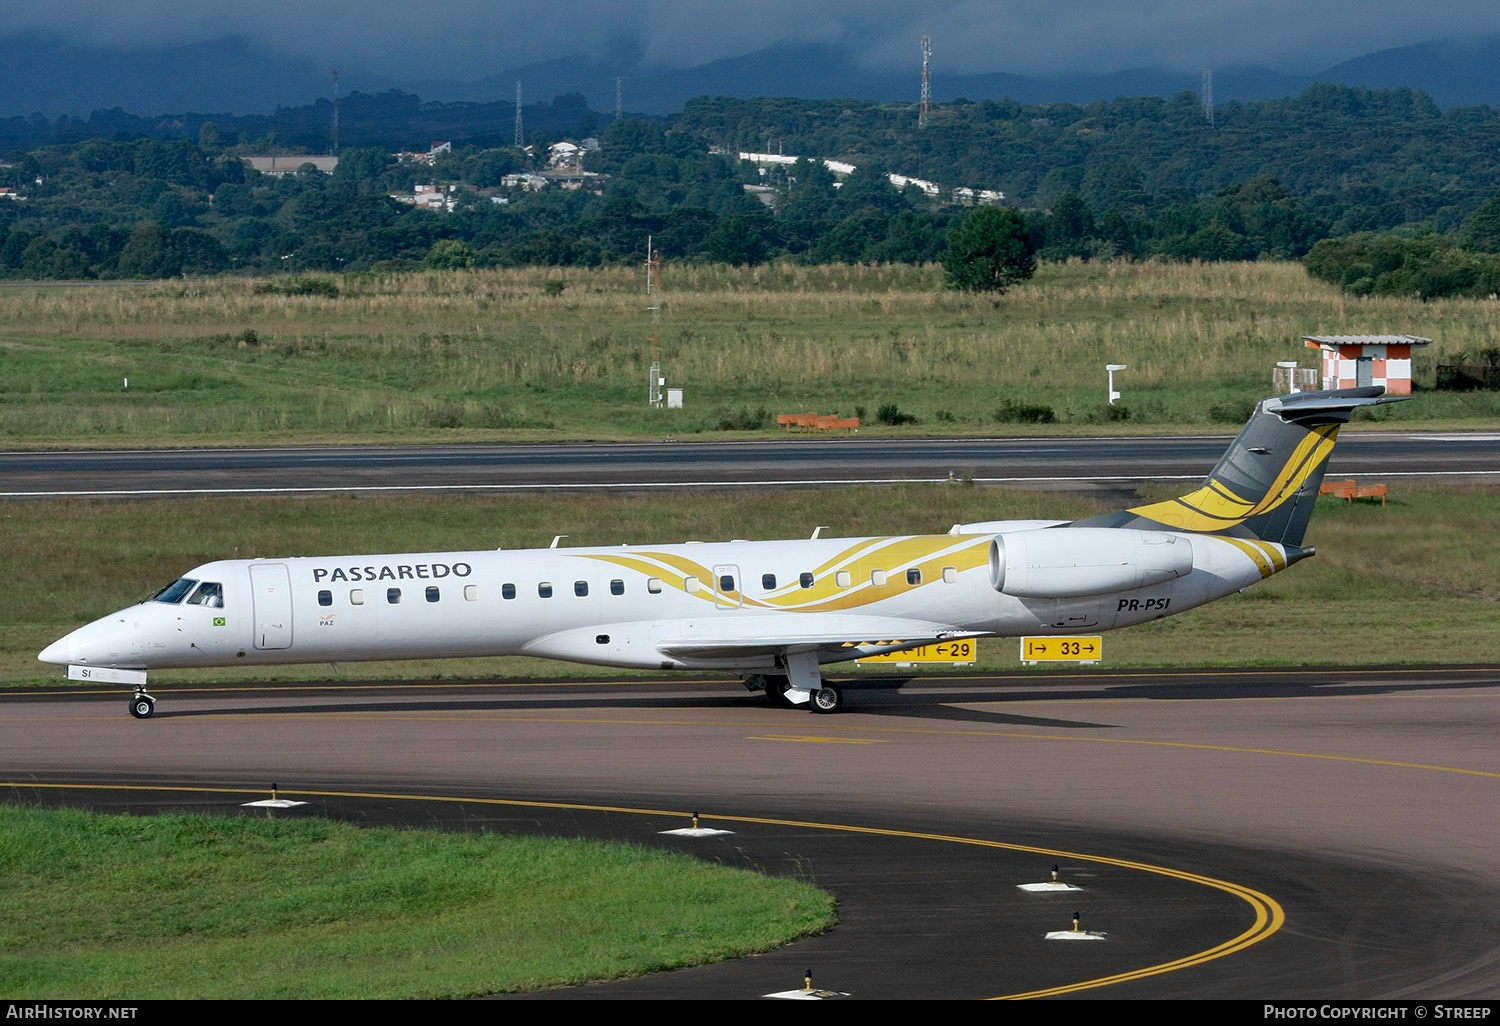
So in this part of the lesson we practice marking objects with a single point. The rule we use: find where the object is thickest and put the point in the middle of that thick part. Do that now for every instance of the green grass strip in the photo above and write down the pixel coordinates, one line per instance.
(178, 906)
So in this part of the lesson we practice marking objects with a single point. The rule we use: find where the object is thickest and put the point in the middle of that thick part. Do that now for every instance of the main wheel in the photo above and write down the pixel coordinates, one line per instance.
(141, 707)
(827, 699)
(776, 689)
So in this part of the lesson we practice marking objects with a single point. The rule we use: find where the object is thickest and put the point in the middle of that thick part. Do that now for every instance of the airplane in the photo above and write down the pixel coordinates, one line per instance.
(773, 612)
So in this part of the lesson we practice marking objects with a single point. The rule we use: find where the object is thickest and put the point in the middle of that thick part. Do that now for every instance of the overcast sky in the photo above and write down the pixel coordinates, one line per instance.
(468, 39)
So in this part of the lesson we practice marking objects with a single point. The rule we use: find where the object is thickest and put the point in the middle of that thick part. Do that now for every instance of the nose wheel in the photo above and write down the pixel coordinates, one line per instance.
(142, 705)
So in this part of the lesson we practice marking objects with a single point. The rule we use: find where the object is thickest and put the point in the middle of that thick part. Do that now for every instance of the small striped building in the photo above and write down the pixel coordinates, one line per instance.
(1353, 361)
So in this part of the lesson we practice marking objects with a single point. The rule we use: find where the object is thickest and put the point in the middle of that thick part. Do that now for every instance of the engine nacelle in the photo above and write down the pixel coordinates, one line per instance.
(1074, 562)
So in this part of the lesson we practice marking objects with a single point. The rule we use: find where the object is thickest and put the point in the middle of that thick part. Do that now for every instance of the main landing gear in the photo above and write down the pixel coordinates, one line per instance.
(823, 698)
(827, 699)
(142, 705)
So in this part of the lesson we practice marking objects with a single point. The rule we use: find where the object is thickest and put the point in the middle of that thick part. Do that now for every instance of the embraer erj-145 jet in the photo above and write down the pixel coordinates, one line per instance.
(772, 611)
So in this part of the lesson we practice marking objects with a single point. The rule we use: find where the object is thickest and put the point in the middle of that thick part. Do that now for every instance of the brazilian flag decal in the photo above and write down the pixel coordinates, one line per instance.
(218, 621)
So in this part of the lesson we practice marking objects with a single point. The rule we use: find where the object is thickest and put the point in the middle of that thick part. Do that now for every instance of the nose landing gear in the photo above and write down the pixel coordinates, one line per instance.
(142, 705)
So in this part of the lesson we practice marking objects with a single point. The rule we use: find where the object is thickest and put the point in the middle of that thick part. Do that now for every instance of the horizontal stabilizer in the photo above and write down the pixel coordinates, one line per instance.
(1310, 409)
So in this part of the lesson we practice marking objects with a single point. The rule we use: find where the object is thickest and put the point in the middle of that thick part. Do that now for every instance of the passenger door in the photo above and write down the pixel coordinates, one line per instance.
(727, 587)
(271, 586)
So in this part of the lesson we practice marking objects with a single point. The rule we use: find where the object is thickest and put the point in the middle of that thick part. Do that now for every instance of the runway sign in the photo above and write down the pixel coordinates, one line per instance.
(1062, 650)
(960, 653)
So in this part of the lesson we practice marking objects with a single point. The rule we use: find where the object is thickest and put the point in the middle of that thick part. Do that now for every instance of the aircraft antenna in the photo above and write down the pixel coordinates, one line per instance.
(653, 303)
(1208, 96)
(335, 112)
(520, 138)
(925, 107)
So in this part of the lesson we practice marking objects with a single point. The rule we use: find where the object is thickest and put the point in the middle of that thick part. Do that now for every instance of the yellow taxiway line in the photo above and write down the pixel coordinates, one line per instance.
(1269, 916)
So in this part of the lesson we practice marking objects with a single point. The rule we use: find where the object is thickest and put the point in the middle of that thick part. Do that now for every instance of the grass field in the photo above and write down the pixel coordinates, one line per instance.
(1412, 582)
(97, 907)
(490, 355)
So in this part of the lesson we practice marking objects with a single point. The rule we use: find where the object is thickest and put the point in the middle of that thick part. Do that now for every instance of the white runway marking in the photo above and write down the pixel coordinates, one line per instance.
(606, 486)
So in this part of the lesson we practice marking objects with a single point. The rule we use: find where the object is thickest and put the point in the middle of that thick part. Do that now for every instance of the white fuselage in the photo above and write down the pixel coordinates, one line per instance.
(734, 605)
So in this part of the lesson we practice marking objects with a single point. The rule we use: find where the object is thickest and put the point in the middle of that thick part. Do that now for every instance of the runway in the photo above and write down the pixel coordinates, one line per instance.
(1236, 834)
(1026, 462)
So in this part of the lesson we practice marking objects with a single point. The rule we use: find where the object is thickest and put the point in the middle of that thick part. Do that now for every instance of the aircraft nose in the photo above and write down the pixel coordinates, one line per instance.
(55, 653)
(96, 643)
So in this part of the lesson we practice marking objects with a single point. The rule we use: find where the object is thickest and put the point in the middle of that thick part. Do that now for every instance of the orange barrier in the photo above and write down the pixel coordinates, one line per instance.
(806, 422)
(797, 420)
(1349, 490)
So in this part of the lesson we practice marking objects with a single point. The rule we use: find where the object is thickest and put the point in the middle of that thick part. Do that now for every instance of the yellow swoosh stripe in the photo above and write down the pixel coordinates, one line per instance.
(1214, 507)
(930, 554)
(1256, 554)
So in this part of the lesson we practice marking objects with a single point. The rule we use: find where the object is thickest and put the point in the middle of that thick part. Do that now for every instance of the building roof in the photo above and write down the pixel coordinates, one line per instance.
(1334, 341)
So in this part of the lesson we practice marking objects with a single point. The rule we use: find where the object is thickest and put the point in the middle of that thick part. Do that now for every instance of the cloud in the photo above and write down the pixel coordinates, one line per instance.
(468, 39)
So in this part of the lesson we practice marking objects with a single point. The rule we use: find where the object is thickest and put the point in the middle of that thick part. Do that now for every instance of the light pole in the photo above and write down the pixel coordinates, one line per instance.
(1112, 367)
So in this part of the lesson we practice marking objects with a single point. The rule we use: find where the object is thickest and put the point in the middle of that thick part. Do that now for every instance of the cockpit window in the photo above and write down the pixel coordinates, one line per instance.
(174, 591)
(209, 593)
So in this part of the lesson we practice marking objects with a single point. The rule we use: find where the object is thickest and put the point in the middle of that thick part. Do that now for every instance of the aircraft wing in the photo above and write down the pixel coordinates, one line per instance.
(769, 635)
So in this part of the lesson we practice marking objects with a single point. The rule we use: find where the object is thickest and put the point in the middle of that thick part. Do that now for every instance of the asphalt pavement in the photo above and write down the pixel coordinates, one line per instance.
(1110, 463)
(1267, 833)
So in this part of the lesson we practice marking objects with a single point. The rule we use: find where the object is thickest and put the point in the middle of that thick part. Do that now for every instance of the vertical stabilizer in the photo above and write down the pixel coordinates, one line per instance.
(1266, 484)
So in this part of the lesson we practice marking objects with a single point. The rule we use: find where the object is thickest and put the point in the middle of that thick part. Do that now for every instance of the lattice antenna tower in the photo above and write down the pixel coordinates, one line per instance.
(520, 137)
(925, 107)
(619, 98)
(1208, 96)
(335, 112)
(654, 394)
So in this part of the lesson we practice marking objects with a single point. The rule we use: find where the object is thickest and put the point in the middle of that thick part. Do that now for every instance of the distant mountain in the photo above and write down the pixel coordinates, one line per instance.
(818, 72)
(1454, 73)
(42, 74)
(45, 75)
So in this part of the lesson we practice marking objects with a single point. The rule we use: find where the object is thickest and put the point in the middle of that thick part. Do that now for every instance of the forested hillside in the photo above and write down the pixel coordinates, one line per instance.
(1136, 178)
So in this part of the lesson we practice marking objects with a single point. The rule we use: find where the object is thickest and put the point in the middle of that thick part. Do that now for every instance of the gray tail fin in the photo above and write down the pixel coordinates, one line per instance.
(1266, 484)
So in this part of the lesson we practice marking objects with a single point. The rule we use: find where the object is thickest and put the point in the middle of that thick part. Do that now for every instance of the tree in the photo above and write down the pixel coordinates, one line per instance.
(989, 251)
(1483, 230)
(449, 255)
(149, 253)
(738, 240)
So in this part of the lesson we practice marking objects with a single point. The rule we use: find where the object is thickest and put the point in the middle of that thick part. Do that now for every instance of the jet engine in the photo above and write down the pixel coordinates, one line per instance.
(1074, 562)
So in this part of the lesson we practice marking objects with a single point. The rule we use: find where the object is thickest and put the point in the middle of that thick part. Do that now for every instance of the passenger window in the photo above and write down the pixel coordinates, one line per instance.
(913, 576)
(544, 589)
(580, 588)
(617, 587)
(507, 591)
(653, 585)
(877, 578)
(174, 591)
(393, 595)
(471, 593)
(325, 598)
(768, 581)
(691, 584)
(950, 575)
(209, 594)
(806, 580)
(433, 594)
(844, 578)
(726, 582)
(357, 597)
